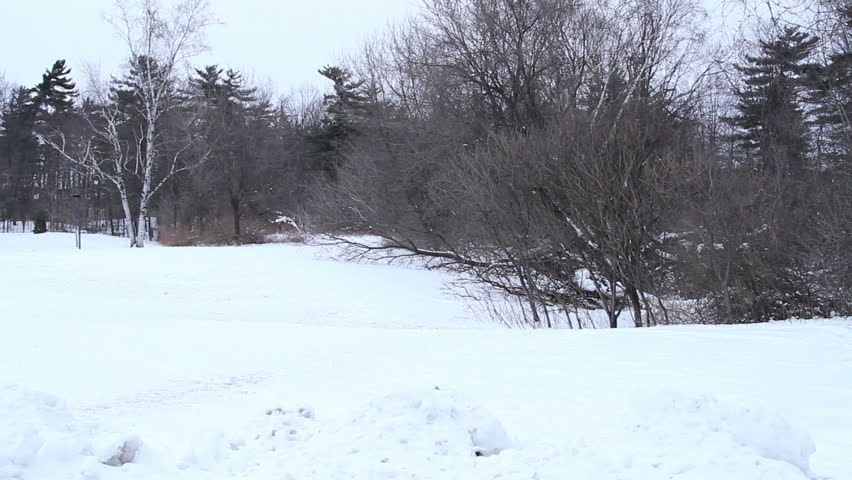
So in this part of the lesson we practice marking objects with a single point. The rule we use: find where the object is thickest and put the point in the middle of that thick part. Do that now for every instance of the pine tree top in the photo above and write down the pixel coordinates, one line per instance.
(770, 118)
(56, 92)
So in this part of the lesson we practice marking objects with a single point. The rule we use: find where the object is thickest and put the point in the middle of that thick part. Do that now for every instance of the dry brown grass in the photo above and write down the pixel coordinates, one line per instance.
(254, 231)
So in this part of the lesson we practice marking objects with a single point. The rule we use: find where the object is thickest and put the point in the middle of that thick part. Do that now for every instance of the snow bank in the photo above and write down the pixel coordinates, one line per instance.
(432, 423)
(412, 435)
(665, 435)
(41, 439)
(421, 435)
(34, 427)
(755, 428)
(38, 435)
(429, 434)
(669, 435)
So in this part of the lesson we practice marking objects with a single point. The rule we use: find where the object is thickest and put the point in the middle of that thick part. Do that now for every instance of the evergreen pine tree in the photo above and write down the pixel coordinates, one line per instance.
(232, 114)
(56, 92)
(346, 104)
(40, 219)
(832, 95)
(771, 121)
(235, 89)
(19, 151)
(207, 83)
(128, 91)
(53, 99)
(345, 108)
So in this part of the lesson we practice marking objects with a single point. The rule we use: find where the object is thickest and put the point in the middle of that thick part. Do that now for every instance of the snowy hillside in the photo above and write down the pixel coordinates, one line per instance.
(276, 362)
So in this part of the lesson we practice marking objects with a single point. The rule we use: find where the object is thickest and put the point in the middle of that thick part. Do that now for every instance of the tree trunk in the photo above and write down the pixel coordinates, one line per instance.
(611, 311)
(525, 284)
(726, 295)
(128, 216)
(141, 226)
(235, 208)
(633, 295)
(150, 158)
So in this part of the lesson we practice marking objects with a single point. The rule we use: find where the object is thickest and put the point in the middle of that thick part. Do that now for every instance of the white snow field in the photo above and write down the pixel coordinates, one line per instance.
(271, 362)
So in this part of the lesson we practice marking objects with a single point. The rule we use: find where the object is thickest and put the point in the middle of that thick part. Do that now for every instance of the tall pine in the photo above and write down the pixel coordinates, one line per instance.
(19, 155)
(53, 99)
(56, 91)
(771, 125)
(832, 94)
(345, 108)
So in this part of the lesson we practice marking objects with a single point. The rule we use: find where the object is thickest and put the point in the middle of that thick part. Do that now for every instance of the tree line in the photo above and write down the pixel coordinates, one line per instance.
(560, 155)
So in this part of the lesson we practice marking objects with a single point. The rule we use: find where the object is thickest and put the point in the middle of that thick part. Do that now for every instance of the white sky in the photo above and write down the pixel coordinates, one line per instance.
(284, 41)
(277, 42)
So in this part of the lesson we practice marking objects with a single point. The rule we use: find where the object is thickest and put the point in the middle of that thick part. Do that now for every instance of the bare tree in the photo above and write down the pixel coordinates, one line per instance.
(539, 153)
(159, 41)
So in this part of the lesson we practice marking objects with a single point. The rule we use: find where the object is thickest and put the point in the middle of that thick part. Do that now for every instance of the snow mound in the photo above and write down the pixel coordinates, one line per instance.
(699, 437)
(39, 436)
(436, 422)
(433, 434)
(665, 436)
(274, 432)
(34, 427)
(406, 435)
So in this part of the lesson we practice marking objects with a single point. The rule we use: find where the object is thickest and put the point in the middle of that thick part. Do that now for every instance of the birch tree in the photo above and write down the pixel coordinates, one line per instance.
(159, 41)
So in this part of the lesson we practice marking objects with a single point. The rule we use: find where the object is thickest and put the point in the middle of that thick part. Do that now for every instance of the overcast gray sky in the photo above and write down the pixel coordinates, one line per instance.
(286, 41)
(283, 41)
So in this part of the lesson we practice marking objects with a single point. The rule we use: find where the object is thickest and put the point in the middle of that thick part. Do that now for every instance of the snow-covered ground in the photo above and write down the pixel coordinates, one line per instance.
(274, 362)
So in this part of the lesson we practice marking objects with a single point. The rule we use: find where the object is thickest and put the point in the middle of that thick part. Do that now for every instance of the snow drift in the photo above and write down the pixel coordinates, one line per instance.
(420, 435)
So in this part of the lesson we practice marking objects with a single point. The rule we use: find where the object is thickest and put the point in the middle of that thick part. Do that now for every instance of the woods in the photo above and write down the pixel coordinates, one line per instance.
(558, 155)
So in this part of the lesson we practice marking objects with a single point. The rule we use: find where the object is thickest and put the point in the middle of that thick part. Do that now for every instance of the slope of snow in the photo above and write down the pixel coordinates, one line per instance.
(272, 362)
